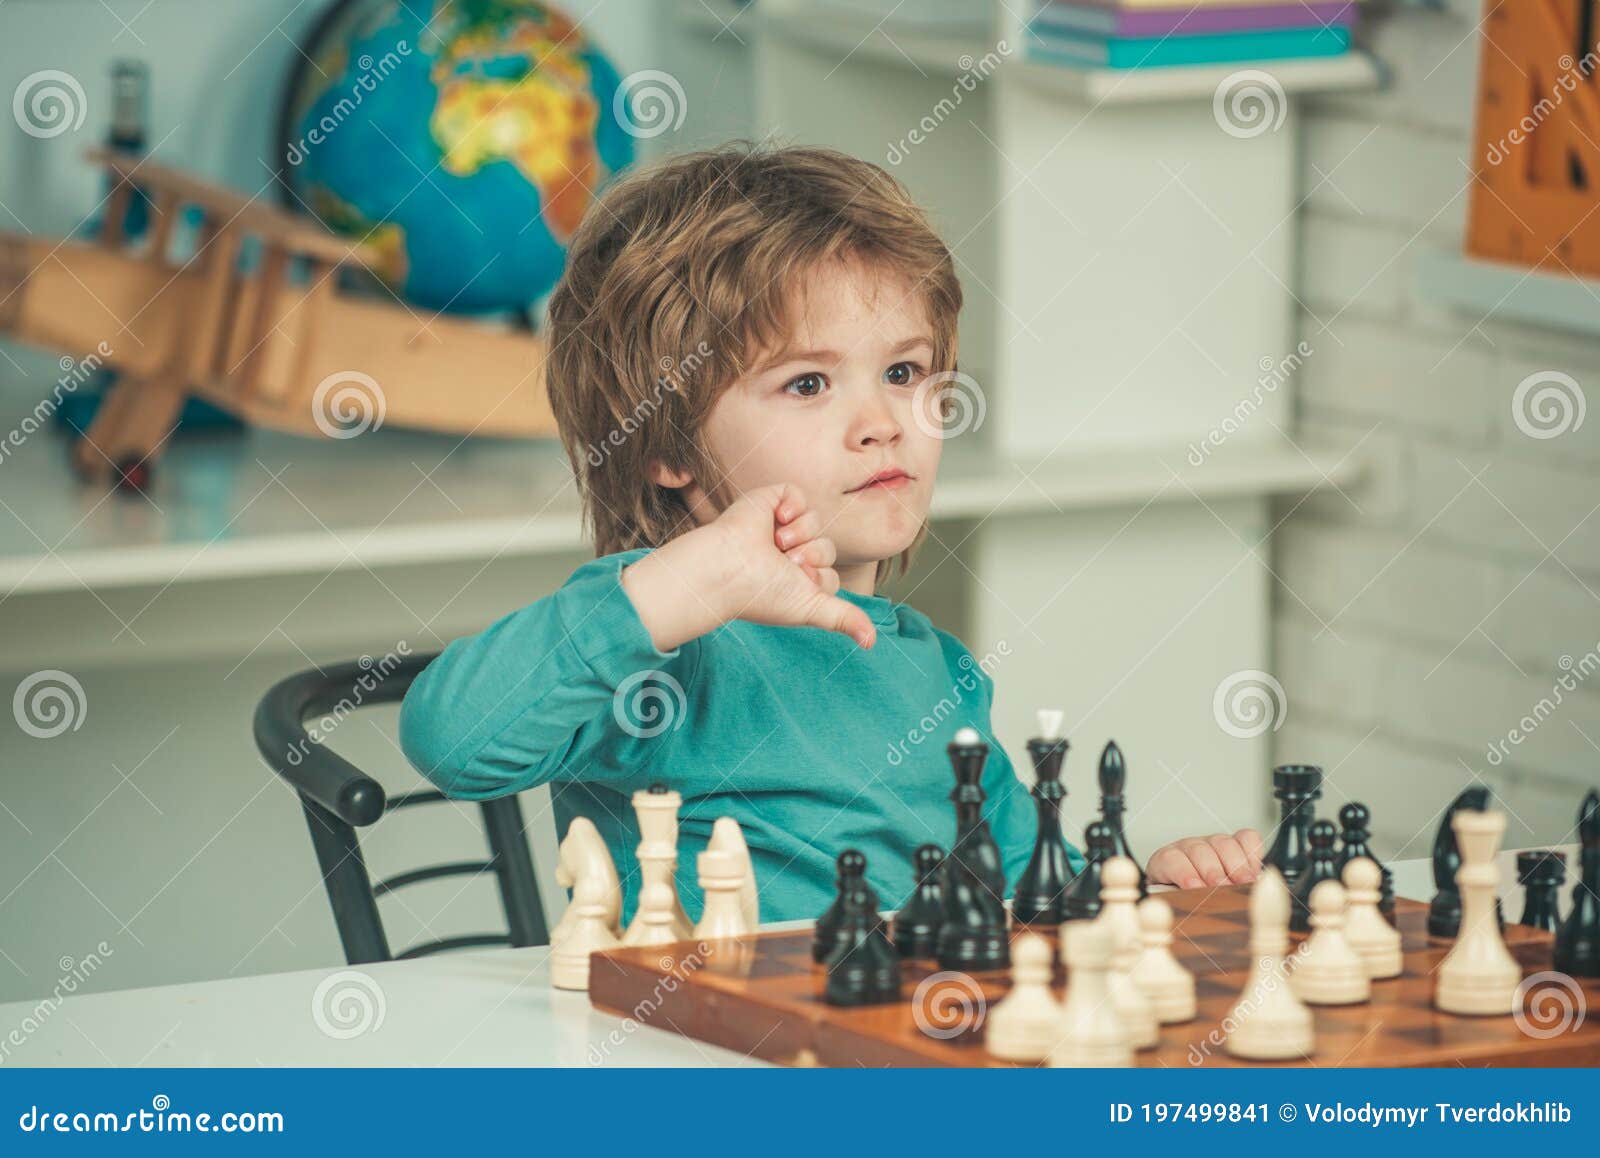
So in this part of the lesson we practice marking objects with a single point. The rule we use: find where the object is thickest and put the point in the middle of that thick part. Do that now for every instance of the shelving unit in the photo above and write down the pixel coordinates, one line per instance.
(1127, 264)
(1494, 291)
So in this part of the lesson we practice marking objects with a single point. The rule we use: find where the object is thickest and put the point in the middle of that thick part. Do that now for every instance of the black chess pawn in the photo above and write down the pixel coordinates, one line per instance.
(1040, 896)
(974, 843)
(1355, 823)
(916, 924)
(863, 968)
(850, 870)
(1083, 894)
(1322, 865)
(1577, 951)
(1297, 788)
(1113, 782)
(1540, 872)
(1444, 911)
(972, 936)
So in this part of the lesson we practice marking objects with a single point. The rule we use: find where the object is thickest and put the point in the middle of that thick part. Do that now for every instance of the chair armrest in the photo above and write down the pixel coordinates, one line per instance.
(315, 771)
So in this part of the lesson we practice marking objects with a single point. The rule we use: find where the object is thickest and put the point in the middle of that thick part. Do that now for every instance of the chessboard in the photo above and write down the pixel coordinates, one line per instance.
(762, 996)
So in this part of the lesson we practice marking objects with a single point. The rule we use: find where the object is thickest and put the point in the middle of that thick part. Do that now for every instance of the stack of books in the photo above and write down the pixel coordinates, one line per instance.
(1163, 33)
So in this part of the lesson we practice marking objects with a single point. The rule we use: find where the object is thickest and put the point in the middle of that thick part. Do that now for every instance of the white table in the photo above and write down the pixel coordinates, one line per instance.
(487, 1008)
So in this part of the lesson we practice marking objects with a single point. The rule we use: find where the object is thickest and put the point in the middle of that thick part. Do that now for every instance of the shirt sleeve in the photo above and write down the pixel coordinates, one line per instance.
(547, 693)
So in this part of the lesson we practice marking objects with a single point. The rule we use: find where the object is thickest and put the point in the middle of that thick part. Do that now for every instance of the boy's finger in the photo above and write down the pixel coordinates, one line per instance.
(835, 614)
(817, 552)
(790, 502)
(802, 530)
(1233, 858)
(1182, 871)
(1205, 862)
(1254, 847)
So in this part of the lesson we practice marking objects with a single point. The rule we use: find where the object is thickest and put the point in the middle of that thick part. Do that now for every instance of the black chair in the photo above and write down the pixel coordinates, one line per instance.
(339, 798)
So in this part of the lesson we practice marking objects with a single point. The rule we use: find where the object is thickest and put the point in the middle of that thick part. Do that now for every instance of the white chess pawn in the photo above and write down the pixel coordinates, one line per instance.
(1479, 975)
(1377, 941)
(728, 836)
(1091, 1033)
(587, 932)
(1119, 898)
(1165, 981)
(1132, 1004)
(1326, 970)
(1269, 1021)
(722, 876)
(1027, 1021)
(653, 924)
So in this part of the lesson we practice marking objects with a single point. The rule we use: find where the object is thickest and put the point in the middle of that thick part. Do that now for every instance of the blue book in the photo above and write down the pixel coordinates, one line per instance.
(1154, 52)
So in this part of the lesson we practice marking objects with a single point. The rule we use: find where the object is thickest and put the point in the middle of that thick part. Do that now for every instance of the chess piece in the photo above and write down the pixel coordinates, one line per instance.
(1444, 911)
(1113, 778)
(974, 843)
(726, 835)
(1478, 975)
(1119, 898)
(1270, 1022)
(1377, 941)
(972, 934)
(1040, 896)
(1132, 1004)
(655, 923)
(1327, 970)
(722, 878)
(916, 924)
(1322, 865)
(1355, 830)
(587, 932)
(1297, 788)
(583, 855)
(850, 870)
(657, 810)
(1163, 978)
(1577, 950)
(1091, 1033)
(1026, 1023)
(1541, 872)
(1083, 894)
(863, 968)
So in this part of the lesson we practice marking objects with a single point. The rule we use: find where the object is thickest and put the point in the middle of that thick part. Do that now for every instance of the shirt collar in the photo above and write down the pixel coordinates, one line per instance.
(879, 608)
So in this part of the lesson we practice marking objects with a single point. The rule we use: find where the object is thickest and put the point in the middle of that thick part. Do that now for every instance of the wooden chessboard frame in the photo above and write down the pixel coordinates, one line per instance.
(762, 996)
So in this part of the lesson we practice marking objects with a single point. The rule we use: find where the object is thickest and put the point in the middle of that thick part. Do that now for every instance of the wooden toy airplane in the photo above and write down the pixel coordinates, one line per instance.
(258, 344)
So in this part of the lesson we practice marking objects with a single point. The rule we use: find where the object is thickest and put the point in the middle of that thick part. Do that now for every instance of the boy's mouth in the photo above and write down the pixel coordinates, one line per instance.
(889, 479)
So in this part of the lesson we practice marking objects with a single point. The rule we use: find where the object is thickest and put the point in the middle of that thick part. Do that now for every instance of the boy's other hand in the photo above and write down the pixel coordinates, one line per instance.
(1218, 859)
(779, 565)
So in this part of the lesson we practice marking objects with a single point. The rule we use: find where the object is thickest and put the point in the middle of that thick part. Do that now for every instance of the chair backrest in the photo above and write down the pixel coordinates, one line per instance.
(339, 798)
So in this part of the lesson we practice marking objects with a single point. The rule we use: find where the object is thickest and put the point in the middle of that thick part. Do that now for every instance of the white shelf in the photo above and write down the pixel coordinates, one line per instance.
(393, 497)
(1349, 72)
(1511, 293)
(936, 52)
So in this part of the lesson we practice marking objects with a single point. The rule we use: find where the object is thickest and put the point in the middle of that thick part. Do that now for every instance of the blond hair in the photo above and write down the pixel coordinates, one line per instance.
(678, 278)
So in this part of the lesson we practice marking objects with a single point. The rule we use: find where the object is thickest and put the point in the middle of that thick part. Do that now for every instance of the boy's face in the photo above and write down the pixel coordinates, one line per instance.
(843, 399)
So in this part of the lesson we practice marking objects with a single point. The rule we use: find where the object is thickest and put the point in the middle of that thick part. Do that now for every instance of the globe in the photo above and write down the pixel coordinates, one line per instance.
(463, 140)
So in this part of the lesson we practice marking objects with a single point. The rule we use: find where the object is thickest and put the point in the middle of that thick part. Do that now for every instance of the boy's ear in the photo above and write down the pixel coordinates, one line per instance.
(665, 476)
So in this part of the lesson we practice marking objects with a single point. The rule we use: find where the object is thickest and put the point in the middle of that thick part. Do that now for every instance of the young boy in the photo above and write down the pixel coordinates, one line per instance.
(744, 353)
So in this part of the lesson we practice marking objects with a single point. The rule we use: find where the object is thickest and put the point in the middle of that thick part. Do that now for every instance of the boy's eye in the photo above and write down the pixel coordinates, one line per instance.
(803, 381)
(902, 373)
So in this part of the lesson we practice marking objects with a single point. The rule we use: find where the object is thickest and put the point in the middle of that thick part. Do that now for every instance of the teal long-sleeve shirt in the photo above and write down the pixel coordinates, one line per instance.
(811, 743)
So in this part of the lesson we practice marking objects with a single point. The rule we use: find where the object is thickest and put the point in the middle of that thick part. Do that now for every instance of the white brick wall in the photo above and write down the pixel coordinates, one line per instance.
(1423, 614)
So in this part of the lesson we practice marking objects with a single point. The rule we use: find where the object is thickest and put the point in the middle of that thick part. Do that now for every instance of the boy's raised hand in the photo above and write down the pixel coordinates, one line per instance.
(780, 565)
(1218, 859)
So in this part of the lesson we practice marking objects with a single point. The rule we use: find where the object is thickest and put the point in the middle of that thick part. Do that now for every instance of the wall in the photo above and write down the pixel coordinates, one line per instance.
(1420, 617)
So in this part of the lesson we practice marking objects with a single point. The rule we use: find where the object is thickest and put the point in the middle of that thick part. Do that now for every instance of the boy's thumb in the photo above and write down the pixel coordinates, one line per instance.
(834, 614)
